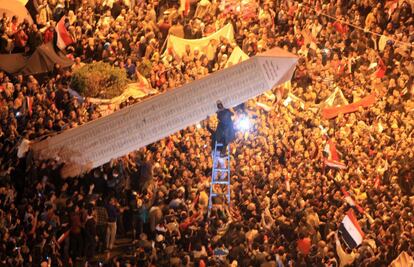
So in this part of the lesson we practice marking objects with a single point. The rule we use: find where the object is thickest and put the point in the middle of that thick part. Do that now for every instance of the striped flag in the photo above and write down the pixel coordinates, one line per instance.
(63, 36)
(334, 164)
(348, 197)
(351, 231)
(351, 202)
(332, 159)
(330, 149)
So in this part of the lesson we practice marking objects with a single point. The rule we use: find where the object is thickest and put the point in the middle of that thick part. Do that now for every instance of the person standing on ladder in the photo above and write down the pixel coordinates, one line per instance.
(224, 133)
(221, 138)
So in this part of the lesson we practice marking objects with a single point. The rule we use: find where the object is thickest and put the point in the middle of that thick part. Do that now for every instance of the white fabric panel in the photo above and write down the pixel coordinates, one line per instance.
(97, 142)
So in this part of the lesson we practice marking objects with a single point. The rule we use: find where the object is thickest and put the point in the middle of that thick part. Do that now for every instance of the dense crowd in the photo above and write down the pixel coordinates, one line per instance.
(286, 205)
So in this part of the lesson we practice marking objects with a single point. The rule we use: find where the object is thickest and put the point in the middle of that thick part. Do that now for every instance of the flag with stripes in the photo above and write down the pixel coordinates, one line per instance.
(332, 158)
(330, 150)
(351, 231)
(334, 164)
(63, 36)
(351, 202)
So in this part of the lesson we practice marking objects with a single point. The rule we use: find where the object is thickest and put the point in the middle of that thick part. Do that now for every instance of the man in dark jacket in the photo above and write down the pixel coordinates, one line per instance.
(112, 209)
(116, 9)
(35, 38)
(76, 238)
(101, 216)
(225, 133)
(90, 235)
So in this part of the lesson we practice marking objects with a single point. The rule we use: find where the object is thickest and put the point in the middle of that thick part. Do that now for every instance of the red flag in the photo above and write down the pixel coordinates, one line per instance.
(333, 159)
(185, 6)
(29, 101)
(380, 73)
(330, 148)
(348, 197)
(63, 36)
(332, 112)
(351, 201)
(377, 182)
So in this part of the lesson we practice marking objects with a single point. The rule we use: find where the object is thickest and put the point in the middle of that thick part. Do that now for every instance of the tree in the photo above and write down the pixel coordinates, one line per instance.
(99, 80)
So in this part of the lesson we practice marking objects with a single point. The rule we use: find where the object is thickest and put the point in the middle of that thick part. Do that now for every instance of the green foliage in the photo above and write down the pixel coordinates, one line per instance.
(99, 80)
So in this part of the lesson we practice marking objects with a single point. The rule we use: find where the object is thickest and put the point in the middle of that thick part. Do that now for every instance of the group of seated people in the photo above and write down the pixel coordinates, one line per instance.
(286, 203)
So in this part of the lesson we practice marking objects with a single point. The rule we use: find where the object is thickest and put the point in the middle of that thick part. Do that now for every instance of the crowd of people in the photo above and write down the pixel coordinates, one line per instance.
(286, 204)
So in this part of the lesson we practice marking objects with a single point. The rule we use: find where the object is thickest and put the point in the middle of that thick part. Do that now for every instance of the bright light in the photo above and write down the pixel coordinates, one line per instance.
(243, 124)
(198, 125)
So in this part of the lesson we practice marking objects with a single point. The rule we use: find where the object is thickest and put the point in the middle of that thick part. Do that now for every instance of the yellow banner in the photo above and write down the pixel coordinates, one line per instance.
(178, 44)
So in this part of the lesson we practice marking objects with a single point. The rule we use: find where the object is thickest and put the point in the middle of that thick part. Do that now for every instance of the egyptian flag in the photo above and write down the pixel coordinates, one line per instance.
(348, 197)
(351, 202)
(351, 231)
(63, 36)
(380, 73)
(330, 150)
(332, 160)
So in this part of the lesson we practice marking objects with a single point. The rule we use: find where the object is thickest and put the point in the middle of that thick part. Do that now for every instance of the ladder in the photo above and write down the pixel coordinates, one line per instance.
(220, 177)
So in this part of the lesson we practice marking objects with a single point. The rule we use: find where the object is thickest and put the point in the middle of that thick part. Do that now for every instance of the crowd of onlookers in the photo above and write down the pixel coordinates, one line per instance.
(286, 204)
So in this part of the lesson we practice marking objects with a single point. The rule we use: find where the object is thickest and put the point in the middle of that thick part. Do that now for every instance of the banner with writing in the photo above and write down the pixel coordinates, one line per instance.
(97, 142)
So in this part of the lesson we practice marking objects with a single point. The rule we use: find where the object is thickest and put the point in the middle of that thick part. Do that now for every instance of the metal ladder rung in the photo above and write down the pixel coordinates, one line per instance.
(221, 182)
(226, 157)
(221, 170)
(219, 194)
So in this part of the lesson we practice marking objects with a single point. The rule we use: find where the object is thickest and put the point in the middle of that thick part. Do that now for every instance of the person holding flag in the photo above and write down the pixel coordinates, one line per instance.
(347, 256)
(63, 37)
